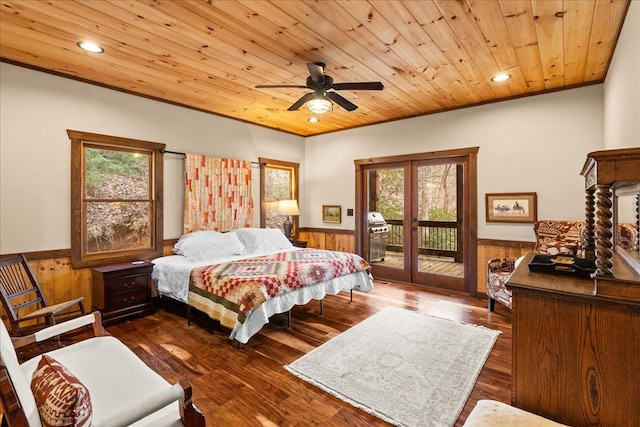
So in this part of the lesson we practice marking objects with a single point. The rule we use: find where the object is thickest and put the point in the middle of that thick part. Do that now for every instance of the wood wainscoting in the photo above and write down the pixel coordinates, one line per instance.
(327, 238)
(60, 282)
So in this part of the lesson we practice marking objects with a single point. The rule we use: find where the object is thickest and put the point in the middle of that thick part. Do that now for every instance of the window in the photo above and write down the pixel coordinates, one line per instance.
(278, 181)
(116, 199)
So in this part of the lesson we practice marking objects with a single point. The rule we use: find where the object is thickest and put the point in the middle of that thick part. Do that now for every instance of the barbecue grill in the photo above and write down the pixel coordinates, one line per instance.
(378, 231)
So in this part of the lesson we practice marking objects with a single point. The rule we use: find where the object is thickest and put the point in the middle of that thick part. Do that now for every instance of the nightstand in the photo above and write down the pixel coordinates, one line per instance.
(121, 290)
(299, 243)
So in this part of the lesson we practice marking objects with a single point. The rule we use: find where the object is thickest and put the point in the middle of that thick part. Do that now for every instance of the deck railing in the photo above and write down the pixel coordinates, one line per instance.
(436, 238)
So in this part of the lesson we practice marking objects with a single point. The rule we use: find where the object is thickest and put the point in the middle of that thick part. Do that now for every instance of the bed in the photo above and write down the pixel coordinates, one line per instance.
(243, 277)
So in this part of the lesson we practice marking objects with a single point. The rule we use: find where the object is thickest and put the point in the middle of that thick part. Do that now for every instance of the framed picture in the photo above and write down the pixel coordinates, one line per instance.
(332, 213)
(511, 207)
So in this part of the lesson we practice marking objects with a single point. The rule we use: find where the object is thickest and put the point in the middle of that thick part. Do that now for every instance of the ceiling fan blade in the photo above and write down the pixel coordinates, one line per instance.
(276, 86)
(341, 101)
(358, 86)
(300, 102)
(316, 70)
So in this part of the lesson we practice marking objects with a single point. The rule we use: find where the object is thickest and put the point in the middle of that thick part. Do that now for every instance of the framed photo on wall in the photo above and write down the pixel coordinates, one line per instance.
(511, 207)
(332, 213)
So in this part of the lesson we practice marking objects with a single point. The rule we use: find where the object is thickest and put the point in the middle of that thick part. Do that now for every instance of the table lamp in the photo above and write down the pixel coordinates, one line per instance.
(288, 208)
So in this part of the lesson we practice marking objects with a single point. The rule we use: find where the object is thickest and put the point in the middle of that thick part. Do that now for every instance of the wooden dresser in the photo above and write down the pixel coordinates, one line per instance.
(121, 290)
(576, 342)
(576, 356)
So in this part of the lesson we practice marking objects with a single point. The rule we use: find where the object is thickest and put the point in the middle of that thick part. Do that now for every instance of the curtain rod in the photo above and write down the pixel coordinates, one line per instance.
(185, 154)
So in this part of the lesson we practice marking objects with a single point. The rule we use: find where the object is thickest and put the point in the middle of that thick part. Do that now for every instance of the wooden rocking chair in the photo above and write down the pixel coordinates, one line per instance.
(21, 291)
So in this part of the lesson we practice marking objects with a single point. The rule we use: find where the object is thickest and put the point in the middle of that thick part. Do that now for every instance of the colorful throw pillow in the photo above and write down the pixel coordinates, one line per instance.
(62, 400)
(557, 237)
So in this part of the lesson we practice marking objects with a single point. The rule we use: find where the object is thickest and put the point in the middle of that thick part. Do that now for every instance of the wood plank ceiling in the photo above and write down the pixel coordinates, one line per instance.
(431, 55)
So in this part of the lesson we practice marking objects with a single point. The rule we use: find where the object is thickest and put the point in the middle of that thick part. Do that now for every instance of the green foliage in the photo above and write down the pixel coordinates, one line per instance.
(103, 165)
(390, 210)
(391, 192)
(439, 214)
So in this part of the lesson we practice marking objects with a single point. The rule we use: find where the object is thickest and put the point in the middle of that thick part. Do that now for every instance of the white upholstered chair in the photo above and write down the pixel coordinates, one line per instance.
(98, 380)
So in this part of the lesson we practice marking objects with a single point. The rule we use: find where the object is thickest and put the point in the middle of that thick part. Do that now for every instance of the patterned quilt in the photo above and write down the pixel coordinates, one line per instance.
(228, 292)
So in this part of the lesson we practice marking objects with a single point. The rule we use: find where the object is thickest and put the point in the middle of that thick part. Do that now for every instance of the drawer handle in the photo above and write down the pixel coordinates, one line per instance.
(129, 299)
(129, 284)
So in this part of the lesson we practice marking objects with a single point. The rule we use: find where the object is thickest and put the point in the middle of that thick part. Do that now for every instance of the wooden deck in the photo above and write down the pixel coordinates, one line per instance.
(428, 264)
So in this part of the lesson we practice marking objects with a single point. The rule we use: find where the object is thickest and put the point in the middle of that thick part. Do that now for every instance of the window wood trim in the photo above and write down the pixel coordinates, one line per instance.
(80, 260)
(264, 162)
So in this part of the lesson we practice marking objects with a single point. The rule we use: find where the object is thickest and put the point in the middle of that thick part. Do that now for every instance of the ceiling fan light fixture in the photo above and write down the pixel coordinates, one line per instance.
(90, 47)
(501, 77)
(320, 105)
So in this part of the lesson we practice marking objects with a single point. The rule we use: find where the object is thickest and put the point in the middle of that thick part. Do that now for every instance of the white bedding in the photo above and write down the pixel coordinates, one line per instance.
(172, 273)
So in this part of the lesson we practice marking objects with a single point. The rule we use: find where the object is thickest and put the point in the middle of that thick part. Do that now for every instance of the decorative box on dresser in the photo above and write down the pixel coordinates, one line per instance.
(122, 290)
(576, 341)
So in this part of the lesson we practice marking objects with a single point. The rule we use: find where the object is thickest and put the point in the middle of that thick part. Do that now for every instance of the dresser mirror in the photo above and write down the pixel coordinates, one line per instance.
(626, 214)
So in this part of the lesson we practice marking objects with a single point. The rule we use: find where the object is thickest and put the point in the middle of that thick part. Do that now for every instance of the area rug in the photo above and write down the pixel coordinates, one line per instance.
(407, 368)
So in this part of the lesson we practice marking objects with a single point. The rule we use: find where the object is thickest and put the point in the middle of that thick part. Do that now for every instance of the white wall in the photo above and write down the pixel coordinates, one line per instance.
(534, 144)
(36, 109)
(622, 86)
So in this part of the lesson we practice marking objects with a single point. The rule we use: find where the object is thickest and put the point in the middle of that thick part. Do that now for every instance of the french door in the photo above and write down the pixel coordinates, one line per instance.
(429, 203)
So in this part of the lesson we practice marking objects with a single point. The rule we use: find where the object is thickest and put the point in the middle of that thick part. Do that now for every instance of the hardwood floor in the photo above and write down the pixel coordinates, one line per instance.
(248, 386)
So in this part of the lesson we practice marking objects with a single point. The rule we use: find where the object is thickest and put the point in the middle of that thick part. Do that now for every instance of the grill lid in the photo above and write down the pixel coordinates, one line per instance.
(377, 223)
(375, 218)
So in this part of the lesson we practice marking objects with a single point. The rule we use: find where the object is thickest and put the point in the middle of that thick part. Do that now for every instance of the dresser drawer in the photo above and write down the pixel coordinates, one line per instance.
(129, 299)
(128, 284)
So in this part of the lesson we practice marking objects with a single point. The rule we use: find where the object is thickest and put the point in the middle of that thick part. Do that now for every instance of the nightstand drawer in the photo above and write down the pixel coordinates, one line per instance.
(128, 284)
(129, 299)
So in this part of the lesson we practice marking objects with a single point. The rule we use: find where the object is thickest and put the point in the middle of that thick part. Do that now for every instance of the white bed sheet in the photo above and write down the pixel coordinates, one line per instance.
(172, 273)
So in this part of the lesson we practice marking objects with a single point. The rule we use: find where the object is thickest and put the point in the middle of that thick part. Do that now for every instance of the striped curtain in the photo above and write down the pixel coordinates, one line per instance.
(217, 194)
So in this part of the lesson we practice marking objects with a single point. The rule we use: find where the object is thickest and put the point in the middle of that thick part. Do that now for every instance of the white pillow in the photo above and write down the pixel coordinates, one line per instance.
(209, 246)
(262, 239)
(196, 235)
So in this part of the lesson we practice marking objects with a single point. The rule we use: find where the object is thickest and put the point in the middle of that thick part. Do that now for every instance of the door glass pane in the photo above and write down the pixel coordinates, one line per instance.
(385, 194)
(439, 251)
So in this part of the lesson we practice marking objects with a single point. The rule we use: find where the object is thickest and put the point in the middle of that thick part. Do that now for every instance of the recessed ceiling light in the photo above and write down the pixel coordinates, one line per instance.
(90, 47)
(501, 77)
(313, 120)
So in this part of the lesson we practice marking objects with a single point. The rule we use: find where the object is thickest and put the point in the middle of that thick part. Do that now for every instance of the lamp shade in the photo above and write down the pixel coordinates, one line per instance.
(320, 105)
(288, 207)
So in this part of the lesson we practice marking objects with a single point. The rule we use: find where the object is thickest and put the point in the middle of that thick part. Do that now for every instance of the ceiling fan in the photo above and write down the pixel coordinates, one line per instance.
(319, 101)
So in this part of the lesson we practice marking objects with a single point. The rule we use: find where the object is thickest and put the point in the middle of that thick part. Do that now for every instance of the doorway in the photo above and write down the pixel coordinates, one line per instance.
(429, 203)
